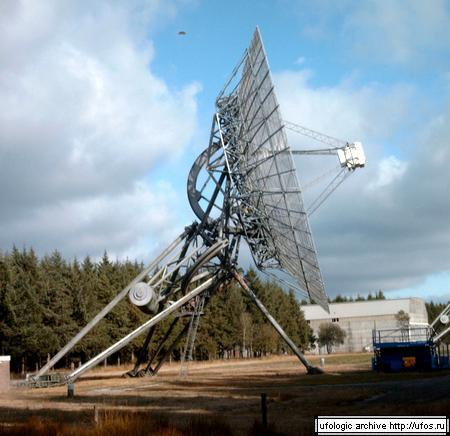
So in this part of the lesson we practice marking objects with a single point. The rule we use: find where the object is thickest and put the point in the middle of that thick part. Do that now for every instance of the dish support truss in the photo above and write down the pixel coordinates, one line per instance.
(187, 272)
(263, 196)
(442, 321)
(230, 192)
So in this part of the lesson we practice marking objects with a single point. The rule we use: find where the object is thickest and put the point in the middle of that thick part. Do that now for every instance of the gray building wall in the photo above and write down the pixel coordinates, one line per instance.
(358, 319)
(4, 373)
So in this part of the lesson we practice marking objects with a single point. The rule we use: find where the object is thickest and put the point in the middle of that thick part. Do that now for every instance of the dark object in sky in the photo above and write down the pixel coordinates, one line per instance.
(182, 32)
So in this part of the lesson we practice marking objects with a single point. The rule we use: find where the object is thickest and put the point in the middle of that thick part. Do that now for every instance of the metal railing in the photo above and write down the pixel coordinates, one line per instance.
(402, 335)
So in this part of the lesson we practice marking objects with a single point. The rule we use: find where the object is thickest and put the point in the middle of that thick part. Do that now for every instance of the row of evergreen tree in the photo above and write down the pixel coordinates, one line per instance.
(346, 299)
(45, 301)
(349, 299)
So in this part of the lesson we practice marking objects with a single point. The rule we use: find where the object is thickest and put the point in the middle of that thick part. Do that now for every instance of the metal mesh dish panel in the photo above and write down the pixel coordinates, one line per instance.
(270, 182)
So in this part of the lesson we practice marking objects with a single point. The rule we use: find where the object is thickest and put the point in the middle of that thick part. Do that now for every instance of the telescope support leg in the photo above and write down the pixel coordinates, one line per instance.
(155, 355)
(170, 349)
(117, 299)
(140, 330)
(310, 368)
(142, 353)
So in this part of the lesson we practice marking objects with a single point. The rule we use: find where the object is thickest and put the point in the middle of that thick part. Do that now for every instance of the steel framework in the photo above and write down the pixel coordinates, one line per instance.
(242, 187)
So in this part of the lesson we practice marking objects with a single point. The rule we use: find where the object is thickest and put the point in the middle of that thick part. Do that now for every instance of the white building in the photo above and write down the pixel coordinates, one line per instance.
(359, 318)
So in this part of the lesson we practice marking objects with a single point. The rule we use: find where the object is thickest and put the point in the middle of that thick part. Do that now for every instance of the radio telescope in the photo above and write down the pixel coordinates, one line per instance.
(243, 187)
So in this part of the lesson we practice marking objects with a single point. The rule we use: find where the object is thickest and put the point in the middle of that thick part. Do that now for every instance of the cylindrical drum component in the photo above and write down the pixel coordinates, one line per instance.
(143, 296)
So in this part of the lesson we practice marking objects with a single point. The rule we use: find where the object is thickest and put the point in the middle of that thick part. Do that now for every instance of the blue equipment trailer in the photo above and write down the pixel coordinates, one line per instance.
(406, 349)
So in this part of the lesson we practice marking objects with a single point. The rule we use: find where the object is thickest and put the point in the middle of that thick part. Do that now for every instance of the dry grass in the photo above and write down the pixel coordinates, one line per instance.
(114, 423)
(224, 398)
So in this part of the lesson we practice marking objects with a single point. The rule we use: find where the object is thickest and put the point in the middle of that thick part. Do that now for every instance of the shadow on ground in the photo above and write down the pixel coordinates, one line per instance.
(293, 398)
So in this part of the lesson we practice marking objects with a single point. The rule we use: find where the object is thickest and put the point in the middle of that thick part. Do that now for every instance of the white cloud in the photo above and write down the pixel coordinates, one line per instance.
(390, 169)
(344, 110)
(119, 223)
(412, 33)
(398, 32)
(82, 121)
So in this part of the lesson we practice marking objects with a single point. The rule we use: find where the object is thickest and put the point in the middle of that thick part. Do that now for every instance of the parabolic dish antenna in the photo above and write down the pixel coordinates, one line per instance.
(265, 190)
(243, 186)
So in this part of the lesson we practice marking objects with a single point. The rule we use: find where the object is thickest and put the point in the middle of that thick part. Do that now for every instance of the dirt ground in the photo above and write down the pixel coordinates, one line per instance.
(231, 391)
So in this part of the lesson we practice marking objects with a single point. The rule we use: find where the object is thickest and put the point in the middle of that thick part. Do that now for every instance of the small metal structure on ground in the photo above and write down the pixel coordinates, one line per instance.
(243, 187)
(42, 381)
(409, 349)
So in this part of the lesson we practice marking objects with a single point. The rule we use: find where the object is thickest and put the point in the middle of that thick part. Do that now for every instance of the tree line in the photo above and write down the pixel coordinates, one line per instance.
(45, 301)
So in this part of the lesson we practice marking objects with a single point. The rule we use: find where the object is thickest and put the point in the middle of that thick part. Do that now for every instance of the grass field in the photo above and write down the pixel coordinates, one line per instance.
(223, 397)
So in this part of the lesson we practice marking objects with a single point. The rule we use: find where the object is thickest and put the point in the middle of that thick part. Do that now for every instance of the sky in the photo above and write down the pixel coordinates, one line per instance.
(104, 107)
